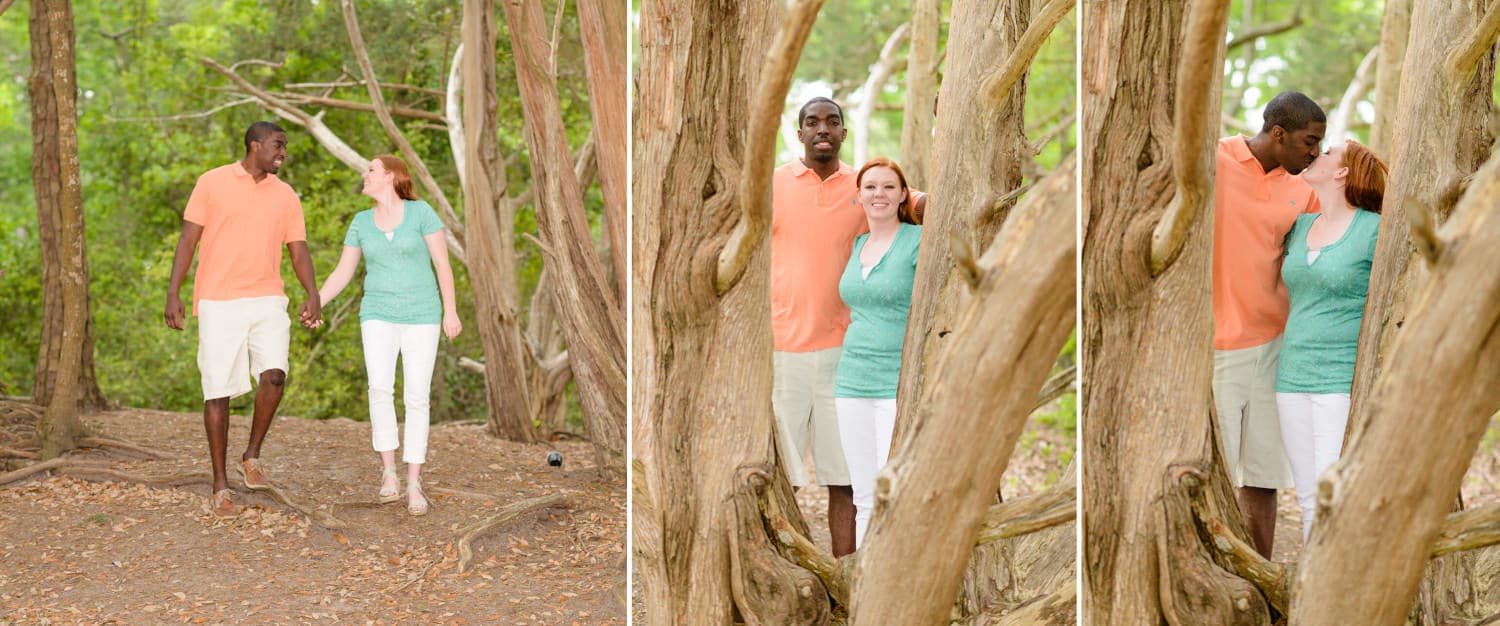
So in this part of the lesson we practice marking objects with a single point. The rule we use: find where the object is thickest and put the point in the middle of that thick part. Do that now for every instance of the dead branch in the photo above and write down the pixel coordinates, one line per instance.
(1193, 122)
(184, 116)
(466, 554)
(357, 40)
(1272, 578)
(107, 442)
(1055, 387)
(471, 365)
(880, 72)
(1468, 530)
(1476, 43)
(359, 83)
(350, 105)
(997, 85)
(1338, 121)
(261, 62)
(454, 116)
(804, 553)
(760, 144)
(1029, 514)
(1266, 30)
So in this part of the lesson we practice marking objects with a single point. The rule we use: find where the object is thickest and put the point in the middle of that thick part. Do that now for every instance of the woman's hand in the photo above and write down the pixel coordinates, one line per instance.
(451, 326)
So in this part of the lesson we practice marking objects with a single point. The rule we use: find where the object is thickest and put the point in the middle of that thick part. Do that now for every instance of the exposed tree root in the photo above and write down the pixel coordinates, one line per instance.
(108, 442)
(1193, 588)
(1274, 579)
(19, 454)
(768, 588)
(98, 472)
(805, 553)
(473, 495)
(1058, 607)
(34, 468)
(466, 553)
(1029, 514)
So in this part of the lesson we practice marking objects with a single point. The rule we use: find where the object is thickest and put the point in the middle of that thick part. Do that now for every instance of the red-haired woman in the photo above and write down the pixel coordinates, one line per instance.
(401, 240)
(876, 284)
(1327, 274)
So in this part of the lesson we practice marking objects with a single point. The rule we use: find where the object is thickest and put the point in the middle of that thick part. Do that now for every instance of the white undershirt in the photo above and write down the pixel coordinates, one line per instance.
(864, 271)
(1312, 255)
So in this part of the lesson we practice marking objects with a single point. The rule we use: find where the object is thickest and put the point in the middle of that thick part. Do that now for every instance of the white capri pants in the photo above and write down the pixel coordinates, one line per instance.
(1312, 430)
(417, 345)
(865, 427)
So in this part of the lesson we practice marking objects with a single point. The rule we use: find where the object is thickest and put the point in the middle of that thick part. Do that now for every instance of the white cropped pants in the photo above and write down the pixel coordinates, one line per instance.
(865, 427)
(1312, 431)
(417, 345)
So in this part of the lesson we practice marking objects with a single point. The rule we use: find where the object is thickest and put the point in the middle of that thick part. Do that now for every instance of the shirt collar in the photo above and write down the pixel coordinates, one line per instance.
(799, 168)
(1240, 150)
(240, 171)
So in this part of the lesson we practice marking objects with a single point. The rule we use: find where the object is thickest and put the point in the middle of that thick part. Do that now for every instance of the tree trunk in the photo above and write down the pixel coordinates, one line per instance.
(55, 172)
(976, 164)
(1395, 28)
(59, 199)
(921, 92)
(1430, 166)
(603, 25)
(592, 320)
(923, 533)
(1426, 414)
(1006, 574)
(869, 93)
(704, 430)
(509, 363)
(1148, 432)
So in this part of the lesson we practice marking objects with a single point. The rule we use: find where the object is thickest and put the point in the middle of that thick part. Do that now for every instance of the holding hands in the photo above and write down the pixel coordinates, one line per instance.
(312, 312)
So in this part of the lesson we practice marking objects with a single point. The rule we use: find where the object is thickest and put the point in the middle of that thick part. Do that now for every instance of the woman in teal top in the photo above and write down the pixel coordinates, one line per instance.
(403, 309)
(1326, 268)
(876, 285)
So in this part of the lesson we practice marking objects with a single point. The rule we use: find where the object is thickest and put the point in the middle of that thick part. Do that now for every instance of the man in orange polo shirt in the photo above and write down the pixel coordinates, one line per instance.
(1257, 198)
(814, 220)
(242, 214)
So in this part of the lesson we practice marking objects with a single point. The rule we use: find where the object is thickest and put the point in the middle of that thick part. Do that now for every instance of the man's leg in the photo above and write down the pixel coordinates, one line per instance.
(1258, 505)
(267, 399)
(841, 519)
(216, 423)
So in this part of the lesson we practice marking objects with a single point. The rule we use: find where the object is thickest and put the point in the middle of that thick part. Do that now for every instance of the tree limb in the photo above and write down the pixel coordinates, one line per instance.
(760, 145)
(1468, 530)
(350, 105)
(1338, 121)
(359, 83)
(1272, 578)
(881, 72)
(357, 40)
(804, 553)
(1060, 383)
(1029, 514)
(5, 4)
(1266, 30)
(999, 82)
(466, 553)
(454, 116)
(1476, 43)
(184, 116)
(1193, 121)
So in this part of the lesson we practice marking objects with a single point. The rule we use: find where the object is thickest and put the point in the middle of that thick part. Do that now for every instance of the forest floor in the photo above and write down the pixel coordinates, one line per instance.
(102, 552)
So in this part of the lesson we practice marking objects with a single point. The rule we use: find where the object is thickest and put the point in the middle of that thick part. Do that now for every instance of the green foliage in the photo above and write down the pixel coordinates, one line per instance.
(140, 78)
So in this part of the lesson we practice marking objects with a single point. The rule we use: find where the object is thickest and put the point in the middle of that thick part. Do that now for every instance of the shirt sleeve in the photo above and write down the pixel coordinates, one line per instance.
(430, 222)
(351, 237)
(296, 228)
(198, 206)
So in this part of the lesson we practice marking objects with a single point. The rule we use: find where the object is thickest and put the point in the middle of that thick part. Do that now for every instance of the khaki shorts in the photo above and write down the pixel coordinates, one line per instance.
(803, 401)
(239, 339)
(1250, 428)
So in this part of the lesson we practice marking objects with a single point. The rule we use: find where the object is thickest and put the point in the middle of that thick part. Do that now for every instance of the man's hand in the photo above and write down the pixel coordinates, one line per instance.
(175, 313)
(312, 312)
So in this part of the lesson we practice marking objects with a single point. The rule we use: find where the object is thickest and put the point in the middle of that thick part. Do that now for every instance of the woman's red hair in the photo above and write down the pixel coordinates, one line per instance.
(904, 212)
(402, 176)
(1364, 187)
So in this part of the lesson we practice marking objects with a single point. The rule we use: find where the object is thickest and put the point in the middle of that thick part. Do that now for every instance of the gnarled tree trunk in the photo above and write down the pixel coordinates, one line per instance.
(592, 320)
(921, 92)
(1395, 28)
(59, 199)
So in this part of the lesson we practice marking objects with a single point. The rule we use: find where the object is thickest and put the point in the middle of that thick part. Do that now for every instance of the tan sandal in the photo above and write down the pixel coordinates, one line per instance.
(387, 497)
(222, 505)
(254, 475)
(417, 510)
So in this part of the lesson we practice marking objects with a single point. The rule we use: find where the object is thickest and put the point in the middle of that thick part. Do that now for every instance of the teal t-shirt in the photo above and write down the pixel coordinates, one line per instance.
(1327, 304)
(870, 365)
(399, 285)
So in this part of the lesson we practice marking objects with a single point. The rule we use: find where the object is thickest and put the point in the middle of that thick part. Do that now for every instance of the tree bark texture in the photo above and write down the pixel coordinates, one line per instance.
(592, 319)
(981, 161)
(921, 92)
(604, 41)
(59, 198)
(1148, 431)
(1426, 414)
(55, 173)
(1430, 165)
(704, 429)
(1395, 27)
(509, 363)
(1005, 574)
(932, 496)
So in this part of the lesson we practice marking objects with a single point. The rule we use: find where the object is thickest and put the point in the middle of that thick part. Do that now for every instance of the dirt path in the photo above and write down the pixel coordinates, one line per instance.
(109, 552)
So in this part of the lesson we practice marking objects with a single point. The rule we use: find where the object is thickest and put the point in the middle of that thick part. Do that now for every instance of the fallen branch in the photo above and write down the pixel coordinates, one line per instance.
(804, 553)
(466, 554)
(1030, 514)
(107, 442)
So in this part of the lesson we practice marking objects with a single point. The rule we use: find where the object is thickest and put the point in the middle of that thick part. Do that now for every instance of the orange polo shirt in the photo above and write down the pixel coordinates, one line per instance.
(245, 224)
(813, 226)
(1253, 211)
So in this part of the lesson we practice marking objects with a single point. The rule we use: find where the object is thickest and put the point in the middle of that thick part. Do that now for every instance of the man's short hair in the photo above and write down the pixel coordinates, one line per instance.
(259, 131)
(1292, 111)
(802, 112)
